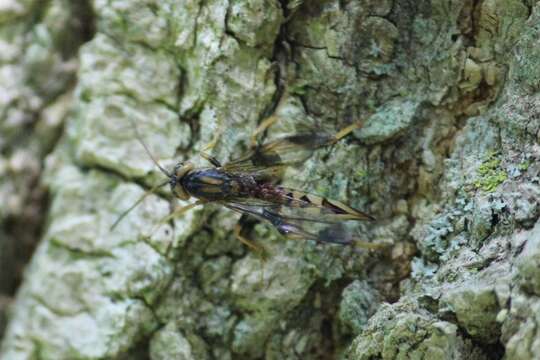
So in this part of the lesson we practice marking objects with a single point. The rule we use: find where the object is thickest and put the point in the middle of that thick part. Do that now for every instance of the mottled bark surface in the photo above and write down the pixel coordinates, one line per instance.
(38, 64)
(448, 162)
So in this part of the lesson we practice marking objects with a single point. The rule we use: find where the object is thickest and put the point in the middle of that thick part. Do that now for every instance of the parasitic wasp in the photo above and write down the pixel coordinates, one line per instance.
(249, 185)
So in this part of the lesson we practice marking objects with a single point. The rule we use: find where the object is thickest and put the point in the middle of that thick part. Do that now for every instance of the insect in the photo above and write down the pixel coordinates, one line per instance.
(248, 185)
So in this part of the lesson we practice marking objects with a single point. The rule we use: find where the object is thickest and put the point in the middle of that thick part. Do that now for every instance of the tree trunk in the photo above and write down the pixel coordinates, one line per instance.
(446, 160)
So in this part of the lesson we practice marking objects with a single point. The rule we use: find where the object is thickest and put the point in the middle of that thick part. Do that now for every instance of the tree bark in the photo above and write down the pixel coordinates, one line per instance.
(447, 161)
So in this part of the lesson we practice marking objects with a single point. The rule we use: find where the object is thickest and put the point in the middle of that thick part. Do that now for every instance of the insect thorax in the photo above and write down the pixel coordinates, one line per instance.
(209, 184)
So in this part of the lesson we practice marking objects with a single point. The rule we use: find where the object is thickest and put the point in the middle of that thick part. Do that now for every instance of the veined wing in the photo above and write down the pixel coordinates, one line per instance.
(299, 214)
(270, 159)
(302, 228)
(321, 207)
(295, 203)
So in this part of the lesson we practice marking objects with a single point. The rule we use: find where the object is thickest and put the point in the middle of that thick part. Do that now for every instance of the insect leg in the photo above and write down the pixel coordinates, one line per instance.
(179, 211)
(346, 131)
(250, 244)
(260, 250)
(214, 140)
(176, 213)
(210, 145)
(263, 126)
(211, 159)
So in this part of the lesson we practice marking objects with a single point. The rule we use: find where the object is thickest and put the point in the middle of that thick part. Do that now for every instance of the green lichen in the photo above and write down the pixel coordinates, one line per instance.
(361, 174)
(170, 343)
(489, 173)
(475, 306)
(529, 264)
(524, 165)
(389, 122)
(359, 303)
(398, 332)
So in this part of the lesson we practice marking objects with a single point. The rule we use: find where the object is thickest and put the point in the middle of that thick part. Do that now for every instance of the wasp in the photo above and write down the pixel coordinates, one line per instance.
(249, 185)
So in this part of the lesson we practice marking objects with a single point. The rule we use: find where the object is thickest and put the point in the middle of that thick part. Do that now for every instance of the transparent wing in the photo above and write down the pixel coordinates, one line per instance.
(270, 159)
(297, 214)
(295, 203)
(301, 226)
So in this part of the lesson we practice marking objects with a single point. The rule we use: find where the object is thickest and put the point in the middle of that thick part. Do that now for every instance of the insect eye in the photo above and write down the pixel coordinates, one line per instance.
(182, 168)
(178, 167)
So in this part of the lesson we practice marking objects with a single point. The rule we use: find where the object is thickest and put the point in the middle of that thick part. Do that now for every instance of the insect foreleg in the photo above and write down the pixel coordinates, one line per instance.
(263, 126)
(179, 211)
(214, 140)
(211, 159)
(176, 213)
(210, 146)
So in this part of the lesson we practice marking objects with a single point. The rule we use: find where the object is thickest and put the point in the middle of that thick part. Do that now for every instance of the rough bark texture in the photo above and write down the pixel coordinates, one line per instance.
(448, 162)
(38, 48)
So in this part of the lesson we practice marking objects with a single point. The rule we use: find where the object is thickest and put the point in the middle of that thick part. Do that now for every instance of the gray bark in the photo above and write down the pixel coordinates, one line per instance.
(447, 161)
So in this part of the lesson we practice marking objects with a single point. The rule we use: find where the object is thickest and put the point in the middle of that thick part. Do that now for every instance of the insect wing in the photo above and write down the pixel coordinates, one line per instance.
(305, 206)
(320, 207)
(271, 158)
(302, 228)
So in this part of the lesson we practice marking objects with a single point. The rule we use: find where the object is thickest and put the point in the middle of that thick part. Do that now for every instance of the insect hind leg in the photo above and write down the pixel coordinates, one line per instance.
(346, 131)
(260, 250)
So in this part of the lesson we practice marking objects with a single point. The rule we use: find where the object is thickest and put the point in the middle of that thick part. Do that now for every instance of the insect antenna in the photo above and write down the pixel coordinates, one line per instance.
(139, 138)
(136, 203)
(152, 190)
